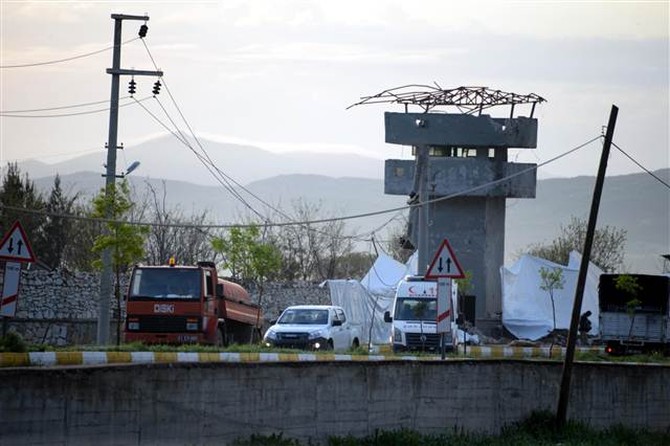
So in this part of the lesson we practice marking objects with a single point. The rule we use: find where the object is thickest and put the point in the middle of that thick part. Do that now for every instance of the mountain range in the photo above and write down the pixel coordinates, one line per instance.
(350, 185)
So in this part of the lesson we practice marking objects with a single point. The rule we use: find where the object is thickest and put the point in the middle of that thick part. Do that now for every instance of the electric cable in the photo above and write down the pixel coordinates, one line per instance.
(62, 115)
(62, 107)
(182, 139)
(317, 221)
(67, 59)
(660, 180)
(211, 162)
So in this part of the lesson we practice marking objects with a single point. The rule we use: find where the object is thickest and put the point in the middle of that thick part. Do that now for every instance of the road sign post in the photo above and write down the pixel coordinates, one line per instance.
(444, 267)
(14, 250)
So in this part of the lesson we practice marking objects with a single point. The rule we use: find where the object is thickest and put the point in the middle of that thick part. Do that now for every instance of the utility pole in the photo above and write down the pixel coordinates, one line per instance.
(424, 257)
(564, 392)
(110, 176)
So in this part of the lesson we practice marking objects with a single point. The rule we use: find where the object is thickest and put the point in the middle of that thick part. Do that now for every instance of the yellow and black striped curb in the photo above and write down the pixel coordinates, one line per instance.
(47, 359)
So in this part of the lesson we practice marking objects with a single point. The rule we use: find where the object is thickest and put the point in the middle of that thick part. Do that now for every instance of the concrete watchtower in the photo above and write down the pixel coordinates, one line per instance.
(461, 176)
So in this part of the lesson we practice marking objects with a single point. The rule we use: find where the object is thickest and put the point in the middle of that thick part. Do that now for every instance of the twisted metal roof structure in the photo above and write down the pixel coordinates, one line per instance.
(467, 99)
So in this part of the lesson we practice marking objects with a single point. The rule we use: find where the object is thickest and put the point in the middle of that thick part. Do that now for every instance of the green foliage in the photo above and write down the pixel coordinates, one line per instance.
(551, 280)
(246, 257)
(267, 440)
(607, 251)
(57, 229)
(464, 284)
(125, 241)
(538, 429)
(629, 285)
(13, 342)
(18, 193)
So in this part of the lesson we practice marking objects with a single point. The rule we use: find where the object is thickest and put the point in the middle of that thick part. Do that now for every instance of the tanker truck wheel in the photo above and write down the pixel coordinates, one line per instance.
(221, 338)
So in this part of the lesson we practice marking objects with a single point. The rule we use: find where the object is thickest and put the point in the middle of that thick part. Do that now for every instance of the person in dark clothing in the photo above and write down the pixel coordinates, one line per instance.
(584, 328)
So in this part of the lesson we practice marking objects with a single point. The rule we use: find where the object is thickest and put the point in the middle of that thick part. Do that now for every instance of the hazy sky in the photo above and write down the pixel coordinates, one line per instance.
(280, 74)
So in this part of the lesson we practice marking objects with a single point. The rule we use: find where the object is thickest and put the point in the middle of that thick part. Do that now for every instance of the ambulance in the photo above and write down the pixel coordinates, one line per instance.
(414, 316)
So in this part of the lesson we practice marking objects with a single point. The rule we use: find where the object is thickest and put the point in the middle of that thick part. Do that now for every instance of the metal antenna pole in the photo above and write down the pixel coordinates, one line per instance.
(106, 278)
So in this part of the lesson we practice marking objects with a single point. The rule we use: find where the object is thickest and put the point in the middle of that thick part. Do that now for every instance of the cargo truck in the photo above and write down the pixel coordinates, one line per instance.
(638, 321)
(172, 304)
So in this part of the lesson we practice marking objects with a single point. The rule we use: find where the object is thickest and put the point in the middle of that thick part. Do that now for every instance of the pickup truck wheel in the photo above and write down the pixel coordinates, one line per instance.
(329, 345)
(355, 344)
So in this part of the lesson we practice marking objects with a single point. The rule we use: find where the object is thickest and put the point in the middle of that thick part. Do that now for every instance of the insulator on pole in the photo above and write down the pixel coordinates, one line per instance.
(143, 31)
(131, 87)
(157, 88)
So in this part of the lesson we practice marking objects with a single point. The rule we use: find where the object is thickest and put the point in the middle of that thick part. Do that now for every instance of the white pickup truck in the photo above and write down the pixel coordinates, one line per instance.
(313, 327)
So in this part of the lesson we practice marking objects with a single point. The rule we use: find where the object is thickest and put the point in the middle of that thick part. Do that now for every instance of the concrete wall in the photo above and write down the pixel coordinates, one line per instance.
(216, 403)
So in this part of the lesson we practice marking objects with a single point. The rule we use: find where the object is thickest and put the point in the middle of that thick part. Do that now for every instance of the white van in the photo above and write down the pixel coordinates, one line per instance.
(414, 316)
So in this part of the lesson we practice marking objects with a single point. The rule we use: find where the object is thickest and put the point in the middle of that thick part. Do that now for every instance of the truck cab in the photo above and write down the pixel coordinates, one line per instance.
(414, 317)
(170, 304)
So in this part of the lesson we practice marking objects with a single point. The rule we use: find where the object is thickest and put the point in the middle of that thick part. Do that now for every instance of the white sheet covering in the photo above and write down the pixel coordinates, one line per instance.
(527, 311)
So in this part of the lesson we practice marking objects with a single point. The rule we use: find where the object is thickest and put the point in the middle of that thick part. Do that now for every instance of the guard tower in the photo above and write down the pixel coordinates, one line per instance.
(460, 178)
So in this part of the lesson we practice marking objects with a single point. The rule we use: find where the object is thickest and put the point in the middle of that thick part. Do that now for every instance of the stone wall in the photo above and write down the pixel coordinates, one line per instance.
(61, 308)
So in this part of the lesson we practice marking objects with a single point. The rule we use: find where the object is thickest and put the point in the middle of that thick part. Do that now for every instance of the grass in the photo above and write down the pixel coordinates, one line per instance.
(13, 343)
(538, 429)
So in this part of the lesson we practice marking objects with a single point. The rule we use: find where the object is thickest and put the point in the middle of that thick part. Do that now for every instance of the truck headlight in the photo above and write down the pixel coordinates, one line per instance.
(133, 325)
(191, 326)
(397, 335)
(270, 334)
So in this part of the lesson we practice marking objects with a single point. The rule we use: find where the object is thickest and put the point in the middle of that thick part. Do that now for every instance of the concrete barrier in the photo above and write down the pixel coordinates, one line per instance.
(217, 402)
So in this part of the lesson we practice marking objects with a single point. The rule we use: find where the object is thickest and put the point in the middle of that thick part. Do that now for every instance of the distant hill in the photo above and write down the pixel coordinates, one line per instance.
(166, 157)
(637, 203)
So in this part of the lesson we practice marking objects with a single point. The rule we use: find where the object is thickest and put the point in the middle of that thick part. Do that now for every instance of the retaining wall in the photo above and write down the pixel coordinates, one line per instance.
(218, 402)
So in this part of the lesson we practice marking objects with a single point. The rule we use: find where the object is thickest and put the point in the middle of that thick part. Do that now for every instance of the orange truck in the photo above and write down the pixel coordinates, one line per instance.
(174, 304)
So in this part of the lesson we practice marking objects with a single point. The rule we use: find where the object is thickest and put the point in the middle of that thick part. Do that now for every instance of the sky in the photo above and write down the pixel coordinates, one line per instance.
(280, 74)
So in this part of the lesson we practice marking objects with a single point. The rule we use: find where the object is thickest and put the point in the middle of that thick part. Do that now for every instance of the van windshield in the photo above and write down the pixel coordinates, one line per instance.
(165, 283)
(411, 309)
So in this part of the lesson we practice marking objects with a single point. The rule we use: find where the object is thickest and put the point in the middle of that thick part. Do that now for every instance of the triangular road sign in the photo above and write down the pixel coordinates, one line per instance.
(444, 264)
(15, 245)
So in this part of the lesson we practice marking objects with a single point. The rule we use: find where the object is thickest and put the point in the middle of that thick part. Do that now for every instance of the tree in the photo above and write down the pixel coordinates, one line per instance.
(248, 258)
(311, 251)
(126, 241)
(551, 280)
(629, 285)
(57, 227)
(176, 235)
(607, 251)
(19, 200)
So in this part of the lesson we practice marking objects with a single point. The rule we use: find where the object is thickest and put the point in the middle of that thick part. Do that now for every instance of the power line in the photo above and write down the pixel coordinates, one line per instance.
(324, 220)
(62, 115)
(67, 59)
(226, 178)
(62, 107)
(660, 180)
(180, 137)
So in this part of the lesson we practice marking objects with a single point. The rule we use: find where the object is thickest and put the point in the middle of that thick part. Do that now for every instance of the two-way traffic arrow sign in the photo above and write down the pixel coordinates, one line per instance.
(15, 245)
(444, 264)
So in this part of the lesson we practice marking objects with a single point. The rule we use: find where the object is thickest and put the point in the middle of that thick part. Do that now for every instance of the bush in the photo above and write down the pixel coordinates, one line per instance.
(13, 342)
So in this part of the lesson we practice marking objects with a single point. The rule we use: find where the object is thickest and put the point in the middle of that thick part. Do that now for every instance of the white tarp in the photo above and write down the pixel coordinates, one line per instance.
(527, 311)
(366, 301)
(363, 309)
